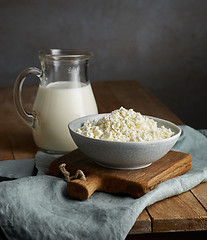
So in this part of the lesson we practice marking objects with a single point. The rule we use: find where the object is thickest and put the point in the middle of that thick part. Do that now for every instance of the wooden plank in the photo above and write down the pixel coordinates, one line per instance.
(105, 97)
(132, 94)
(18, 134)
(23, 146)
(5, 147)
(142, 224)
(5, 112)
(179, 213)
(200, 192)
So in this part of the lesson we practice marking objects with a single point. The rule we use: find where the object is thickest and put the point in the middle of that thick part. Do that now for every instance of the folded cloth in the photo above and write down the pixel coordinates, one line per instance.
(17, 169)
(38, 207)
(43, 160)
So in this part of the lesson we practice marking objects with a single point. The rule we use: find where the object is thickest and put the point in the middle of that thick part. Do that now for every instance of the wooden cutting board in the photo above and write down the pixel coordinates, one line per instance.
(133, 182)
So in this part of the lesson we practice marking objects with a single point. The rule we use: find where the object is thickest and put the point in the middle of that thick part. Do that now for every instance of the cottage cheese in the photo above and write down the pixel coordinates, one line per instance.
(124, 126)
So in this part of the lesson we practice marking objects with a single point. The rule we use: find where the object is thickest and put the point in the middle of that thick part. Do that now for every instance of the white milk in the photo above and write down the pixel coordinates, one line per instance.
(55, 106)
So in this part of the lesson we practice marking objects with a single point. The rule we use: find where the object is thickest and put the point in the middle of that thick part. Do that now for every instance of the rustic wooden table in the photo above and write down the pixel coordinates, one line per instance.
(185, 214)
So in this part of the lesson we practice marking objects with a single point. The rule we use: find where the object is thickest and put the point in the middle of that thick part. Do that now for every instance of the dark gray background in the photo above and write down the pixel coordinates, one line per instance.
(161, 43)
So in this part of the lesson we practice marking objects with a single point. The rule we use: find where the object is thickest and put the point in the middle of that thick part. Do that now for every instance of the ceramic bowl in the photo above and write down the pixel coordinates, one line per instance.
(123, 155)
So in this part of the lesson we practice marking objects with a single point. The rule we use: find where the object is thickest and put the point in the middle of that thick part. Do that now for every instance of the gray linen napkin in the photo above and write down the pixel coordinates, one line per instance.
(17, 169)
(38, 207)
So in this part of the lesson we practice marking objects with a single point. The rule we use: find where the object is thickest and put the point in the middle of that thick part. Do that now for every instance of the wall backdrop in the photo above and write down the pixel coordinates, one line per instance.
(161, 43)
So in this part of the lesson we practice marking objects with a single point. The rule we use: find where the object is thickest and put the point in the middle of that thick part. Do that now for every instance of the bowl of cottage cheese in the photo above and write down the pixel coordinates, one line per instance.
(124, 139)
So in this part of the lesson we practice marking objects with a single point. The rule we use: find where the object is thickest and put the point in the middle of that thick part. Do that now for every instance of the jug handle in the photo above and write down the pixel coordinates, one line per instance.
(28, 118)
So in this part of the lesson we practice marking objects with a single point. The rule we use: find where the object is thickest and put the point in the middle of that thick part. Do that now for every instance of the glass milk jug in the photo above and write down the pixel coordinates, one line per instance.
(64, 94)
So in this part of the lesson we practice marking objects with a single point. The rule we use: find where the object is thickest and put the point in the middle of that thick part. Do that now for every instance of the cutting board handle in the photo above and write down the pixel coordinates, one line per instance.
(82, 190)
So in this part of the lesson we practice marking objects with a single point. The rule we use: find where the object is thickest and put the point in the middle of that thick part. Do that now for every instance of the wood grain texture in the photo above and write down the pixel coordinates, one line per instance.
(5, 147)
(201, 194)
(178, 213)
(17, 133)
(16, 141)
(142, 224)
(130, 94)
(133, 182)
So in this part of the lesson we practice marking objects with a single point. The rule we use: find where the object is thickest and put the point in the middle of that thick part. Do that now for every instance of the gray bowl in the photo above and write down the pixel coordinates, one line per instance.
(123, 155)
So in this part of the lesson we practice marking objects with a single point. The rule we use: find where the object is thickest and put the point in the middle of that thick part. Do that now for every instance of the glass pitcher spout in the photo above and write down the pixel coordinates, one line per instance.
(65, 65)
